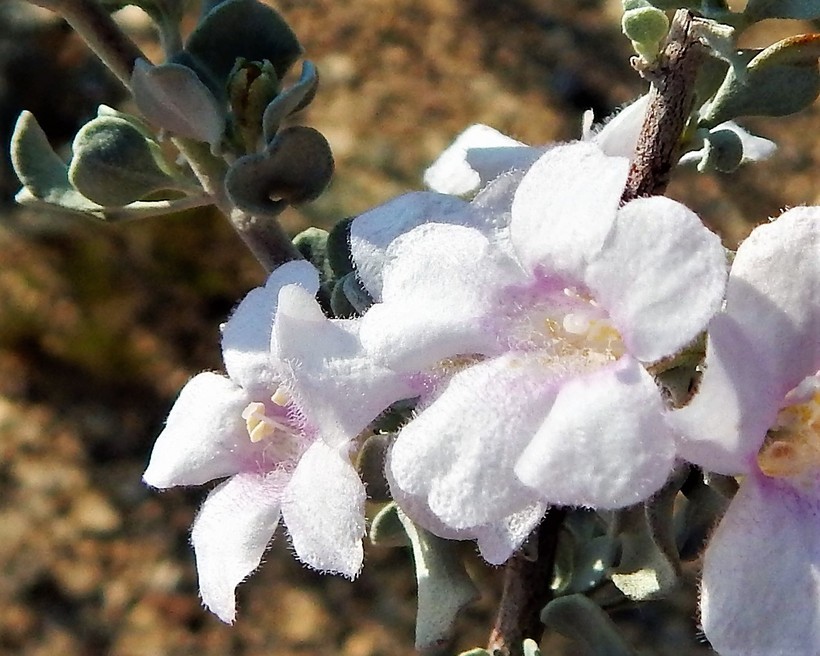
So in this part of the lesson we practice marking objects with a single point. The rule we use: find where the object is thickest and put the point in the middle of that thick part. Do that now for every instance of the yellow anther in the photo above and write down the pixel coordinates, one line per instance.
(792, 447)
(280, 397)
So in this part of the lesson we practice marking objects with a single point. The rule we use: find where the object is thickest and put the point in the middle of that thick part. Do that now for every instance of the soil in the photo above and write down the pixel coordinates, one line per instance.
(101, 325)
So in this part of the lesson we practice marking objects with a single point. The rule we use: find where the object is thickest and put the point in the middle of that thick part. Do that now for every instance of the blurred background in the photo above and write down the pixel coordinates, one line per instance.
(101, 325)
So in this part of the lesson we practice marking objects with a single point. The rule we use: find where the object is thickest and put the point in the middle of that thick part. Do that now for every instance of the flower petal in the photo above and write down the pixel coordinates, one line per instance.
(323, 508)
(372, 233)
(230, 535)
(565, 205)
(661, 276)
(338, 386)
(774, 296)
(760, 594)
(724, 425)
(604, 444)
(618, 136)
(246, 335)
(458, 453)
(439, 295)
(497, 541)
(204, 436)
(476, 156)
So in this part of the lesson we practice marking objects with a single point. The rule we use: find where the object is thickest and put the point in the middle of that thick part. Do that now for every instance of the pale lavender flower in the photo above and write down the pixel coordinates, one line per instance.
(757, 413)
(279, 428)
(536, 305)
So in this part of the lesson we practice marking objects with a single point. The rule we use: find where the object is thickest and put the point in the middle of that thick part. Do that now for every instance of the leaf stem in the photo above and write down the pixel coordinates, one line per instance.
(263, 235)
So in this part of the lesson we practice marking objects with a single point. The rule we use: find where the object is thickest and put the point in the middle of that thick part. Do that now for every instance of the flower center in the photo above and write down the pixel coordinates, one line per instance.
(572, 326)
(282, 441)
(792, 445)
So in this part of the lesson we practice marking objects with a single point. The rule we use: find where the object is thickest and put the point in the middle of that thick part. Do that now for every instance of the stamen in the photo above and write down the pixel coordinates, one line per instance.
(280, 397)
(792, 447)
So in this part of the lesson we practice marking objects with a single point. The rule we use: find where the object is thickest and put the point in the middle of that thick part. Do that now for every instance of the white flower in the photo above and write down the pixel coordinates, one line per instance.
(538, 314)
(757, 413)
(279, 427)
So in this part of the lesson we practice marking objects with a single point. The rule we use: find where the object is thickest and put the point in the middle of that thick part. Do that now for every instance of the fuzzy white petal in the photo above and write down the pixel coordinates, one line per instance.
(204, 436)
(565, 207)
(439, 297)
(476, 156)
(458, 453)
(338, 386)
(230, 535)
(761, 592)
(246, 335)
(498, 541)
(661, 276)
(372, 233)
(723, 427)
(604, 444)
(323, 508)
(774, 295)
(618, 136)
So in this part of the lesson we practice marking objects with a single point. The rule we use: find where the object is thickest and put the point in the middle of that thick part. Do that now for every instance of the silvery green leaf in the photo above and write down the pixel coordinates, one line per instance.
(172, 97)
(113, 164)
(242, 28)
(370, 464)
(531, 648)
(290, 100)
(43, 173)
(581, 619)
(781, 79)
(387, 530)
(312, 244)
(444, 588)
(650, 564)
(801, 9)
(722, 151)
(356, 293)
(295, 168)
(591, 564)
(338, 248)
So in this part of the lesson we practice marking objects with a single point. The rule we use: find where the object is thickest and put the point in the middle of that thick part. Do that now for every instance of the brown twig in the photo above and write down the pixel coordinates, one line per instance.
(526, 590)
(670, 103)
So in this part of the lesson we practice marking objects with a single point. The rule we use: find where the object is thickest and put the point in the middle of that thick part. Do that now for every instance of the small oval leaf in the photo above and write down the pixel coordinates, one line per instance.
(242, 28)
(295, 168)
(780, 80)
(172, 97)
(43, 173)
(113, 163)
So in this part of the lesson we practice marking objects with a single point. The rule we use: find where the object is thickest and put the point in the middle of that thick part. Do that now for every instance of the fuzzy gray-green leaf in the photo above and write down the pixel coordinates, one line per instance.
(781, 79)
(113, 164)
(290, 100)
(172, 97)
(242, 28)
(444, 588)
(295, 168)
(43, 173)
(387, 530)
(579, 618)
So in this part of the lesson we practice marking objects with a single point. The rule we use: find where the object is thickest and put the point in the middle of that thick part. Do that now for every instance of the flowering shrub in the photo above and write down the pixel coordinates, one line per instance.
(543, 354)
